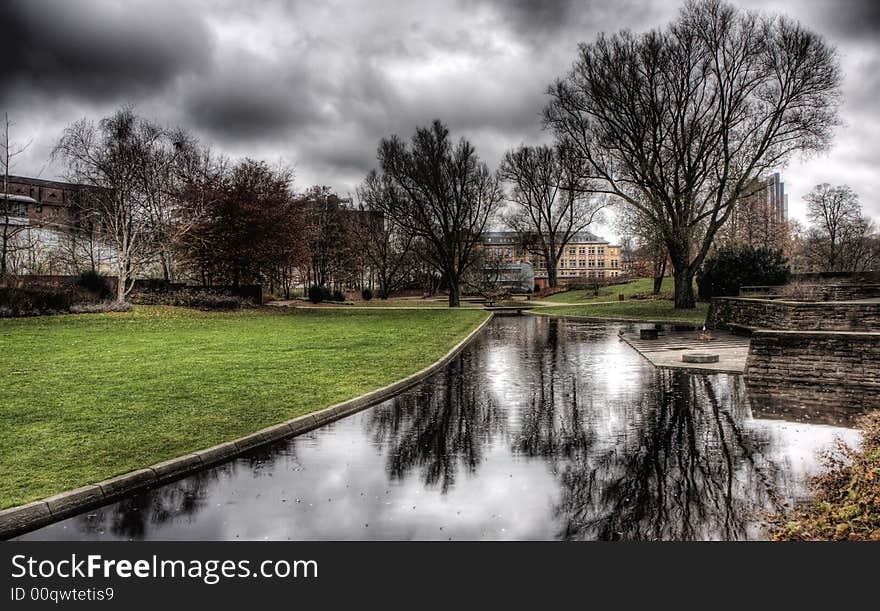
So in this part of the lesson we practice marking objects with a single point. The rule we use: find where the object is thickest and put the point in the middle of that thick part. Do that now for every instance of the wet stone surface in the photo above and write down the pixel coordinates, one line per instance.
(541, 429)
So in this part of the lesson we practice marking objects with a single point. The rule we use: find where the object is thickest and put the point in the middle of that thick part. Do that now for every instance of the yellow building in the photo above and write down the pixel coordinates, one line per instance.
(585, 257)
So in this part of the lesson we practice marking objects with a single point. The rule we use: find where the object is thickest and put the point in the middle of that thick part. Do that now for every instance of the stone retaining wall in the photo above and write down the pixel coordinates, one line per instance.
(734, 312)
(813, 367)
(813, 292)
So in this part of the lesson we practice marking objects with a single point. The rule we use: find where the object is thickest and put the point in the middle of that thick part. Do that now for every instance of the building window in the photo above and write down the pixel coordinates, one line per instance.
(571, 251)
(592, 274)
(601, 262)
(601, 252)
(613, 262)
(582, 251)
(592, 251)
(592, 263)
(582, 263)
(601, 274)
(572, 264)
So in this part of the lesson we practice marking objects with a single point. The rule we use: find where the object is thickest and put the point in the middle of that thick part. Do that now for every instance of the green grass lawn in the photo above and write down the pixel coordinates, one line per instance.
(86, 397)
(649, 309)
(606, 293)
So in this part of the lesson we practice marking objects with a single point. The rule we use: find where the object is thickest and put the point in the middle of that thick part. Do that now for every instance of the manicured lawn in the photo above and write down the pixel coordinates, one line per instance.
(642, 285)
(648, 309)
(89, 396)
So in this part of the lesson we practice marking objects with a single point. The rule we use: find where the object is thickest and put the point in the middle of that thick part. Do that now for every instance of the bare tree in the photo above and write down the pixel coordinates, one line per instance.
(111, 156)
(836, 216)
(388, 249)
(552, 200)
(442, 194)
(680, 122)
(650, 245)
(161, 175)
(12, 225)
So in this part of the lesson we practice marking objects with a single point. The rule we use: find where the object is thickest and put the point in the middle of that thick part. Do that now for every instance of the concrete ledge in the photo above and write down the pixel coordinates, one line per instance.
(217, 453)
(18, 520)
(25, 517)
(122, 484)
(70, 502)
(171, 469)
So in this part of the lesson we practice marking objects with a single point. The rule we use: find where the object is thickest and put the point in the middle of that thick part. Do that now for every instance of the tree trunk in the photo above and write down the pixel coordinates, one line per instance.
(454, 294)
(684, 287)
(658, 277)
(121, 281)
(552, 275)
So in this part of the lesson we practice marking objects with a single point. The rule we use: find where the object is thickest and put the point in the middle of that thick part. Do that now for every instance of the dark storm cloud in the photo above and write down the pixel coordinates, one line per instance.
(533, 15)
(96, 50)
(853, 19)
(248, 97)
(317, 84)
(554, 21)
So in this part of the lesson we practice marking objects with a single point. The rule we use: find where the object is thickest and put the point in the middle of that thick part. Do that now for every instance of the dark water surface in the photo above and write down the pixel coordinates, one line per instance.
(540, 429)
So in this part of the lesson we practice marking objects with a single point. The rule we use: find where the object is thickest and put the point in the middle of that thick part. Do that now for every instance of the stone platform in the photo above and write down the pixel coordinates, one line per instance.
(667, 350)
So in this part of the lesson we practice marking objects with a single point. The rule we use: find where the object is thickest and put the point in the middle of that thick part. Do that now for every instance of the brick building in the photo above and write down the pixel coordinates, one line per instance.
(42, 203)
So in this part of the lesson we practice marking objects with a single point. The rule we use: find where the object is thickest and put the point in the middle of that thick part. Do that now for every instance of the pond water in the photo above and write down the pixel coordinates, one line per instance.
(540, 429)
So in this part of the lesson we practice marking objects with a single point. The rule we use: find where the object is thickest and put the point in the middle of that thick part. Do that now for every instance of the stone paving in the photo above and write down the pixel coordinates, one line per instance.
(667, 349)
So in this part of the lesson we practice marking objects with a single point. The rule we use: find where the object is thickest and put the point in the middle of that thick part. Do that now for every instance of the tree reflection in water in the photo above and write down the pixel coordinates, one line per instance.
(684, 470)
(680, 466)
(134, 516)
(443, 425)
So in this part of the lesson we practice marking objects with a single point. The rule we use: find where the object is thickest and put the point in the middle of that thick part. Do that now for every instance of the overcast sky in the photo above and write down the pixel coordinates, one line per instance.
(317, 84)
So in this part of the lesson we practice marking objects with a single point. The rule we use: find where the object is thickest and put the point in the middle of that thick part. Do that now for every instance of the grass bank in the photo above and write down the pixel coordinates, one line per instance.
(648, 309)
(847, 502)
(607, 293)
(86, 397)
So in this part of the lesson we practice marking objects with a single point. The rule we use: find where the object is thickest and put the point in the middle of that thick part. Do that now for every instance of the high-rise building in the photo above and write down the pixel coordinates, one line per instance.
(777, 198)
(760, 217)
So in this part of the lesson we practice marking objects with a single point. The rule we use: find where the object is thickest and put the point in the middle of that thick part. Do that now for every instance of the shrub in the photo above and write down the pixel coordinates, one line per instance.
(36, 302)
(319, 293)
(727, 270)
(199, 299)
(847, 495)
(100, 308)
(367, 294)
(338, 296)
(550, 290)
(96, 283)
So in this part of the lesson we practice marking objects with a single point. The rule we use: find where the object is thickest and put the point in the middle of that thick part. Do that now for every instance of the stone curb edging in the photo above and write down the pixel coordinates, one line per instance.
(23, 518)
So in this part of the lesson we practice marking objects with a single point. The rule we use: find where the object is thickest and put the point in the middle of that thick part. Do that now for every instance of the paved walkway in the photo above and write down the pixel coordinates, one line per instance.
(666, 350)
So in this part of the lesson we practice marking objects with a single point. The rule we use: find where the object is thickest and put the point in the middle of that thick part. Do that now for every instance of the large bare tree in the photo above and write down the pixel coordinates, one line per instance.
(679, 122)
(552, 201)
(442, 194)
(116, 156)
